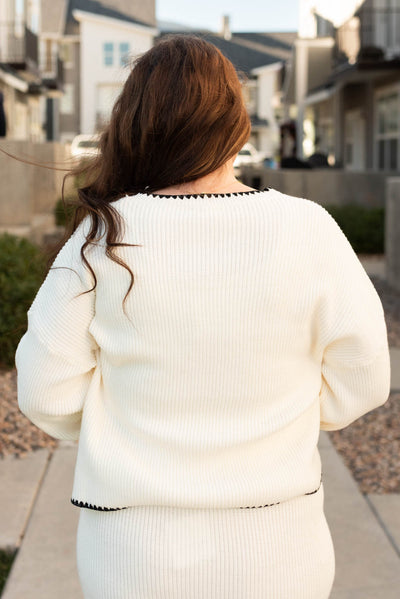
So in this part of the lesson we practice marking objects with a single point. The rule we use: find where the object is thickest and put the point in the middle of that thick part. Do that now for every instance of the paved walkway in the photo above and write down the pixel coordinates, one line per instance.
(37, 517)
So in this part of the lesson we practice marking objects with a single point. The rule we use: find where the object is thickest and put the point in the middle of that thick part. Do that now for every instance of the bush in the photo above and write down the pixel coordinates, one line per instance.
(63, 214)
(6, 561)
(22, 271)
(363, 227)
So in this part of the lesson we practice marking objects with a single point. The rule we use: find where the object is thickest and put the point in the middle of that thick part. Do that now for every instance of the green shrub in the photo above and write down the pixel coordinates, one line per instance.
(363, 227)
(22, 271)
(6, 561)
(64, 214)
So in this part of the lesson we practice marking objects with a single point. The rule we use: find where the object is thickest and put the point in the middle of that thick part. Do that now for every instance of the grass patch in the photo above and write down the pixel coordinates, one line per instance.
(6, 561)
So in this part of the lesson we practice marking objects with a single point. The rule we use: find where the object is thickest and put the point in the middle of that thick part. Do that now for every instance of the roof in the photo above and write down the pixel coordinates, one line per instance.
(243, 57)
(24, 81)
(328, 84)
(52, 15)
(279, 44)
(163, 25)
(96, 7)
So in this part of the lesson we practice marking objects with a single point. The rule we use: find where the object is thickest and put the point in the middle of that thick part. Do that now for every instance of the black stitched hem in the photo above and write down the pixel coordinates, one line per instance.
(95, 507)
(208, 195)
(278, 502)
(113, 509)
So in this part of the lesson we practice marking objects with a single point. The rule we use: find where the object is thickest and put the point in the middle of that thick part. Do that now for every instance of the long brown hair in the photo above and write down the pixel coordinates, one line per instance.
(180, 116)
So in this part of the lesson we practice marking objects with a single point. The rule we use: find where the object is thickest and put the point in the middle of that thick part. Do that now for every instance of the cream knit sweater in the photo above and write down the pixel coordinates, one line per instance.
(253, 325)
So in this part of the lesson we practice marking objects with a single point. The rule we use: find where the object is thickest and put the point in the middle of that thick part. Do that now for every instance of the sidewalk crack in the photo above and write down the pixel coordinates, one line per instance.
(382, 524)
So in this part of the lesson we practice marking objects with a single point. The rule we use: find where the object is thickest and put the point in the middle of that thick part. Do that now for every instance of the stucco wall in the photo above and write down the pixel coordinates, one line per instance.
(29, 193)
(324, 186)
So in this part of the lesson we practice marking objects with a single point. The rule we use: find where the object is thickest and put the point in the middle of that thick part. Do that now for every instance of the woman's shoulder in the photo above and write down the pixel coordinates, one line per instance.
(301, 206)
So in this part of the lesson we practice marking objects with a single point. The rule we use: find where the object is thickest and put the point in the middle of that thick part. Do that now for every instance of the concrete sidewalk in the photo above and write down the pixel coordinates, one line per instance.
(37, 517)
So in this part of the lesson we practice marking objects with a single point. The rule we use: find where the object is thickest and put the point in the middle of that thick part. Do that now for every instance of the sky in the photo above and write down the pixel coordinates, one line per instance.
(245, 15)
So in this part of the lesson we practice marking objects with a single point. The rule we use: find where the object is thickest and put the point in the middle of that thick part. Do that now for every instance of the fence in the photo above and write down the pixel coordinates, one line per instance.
(17, 43)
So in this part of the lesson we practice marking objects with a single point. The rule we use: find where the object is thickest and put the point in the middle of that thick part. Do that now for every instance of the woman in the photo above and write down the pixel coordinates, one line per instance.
(198, 393)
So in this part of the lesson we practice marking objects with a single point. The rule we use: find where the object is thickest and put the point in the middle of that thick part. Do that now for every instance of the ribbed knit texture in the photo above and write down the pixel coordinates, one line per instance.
(252, 324)
(158, 552)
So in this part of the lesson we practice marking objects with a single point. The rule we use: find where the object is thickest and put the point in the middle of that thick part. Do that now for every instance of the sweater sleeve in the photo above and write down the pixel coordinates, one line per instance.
(56, 356)
(355, 368)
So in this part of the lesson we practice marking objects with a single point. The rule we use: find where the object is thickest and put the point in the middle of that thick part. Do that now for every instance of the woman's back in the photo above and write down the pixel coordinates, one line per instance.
(208, 391)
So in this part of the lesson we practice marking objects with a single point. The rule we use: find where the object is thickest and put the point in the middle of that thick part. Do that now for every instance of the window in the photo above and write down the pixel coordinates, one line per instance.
(123, 53)
(388, 131)
(108, 53)
(384, 25)
(67, 99)
(66, 54)
(393, 145)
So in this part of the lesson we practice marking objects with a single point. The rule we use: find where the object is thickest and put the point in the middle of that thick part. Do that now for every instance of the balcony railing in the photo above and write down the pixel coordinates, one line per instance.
(18, 45)
(52, 70)
(369, 28)
(31, 45)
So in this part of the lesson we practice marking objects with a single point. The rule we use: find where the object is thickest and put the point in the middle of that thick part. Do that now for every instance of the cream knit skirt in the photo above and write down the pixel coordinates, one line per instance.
(284, 551)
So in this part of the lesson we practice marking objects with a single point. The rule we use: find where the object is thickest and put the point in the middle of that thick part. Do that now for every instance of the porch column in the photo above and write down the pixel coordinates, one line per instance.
(301, 84)
(392, 231)
(338, 124)
(369, 120)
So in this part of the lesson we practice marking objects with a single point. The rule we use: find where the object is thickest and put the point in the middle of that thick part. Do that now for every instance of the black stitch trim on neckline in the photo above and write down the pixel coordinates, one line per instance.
(113, 509)
(208, 195)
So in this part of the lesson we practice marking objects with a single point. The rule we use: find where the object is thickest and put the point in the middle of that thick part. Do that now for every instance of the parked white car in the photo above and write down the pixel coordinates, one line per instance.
(85, 145)
(248, 155)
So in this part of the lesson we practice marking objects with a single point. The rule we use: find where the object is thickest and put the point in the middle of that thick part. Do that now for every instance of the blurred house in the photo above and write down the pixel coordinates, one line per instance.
(262, 57)
(343, 83)
(24, 91)
(96, 41)
(63, 62)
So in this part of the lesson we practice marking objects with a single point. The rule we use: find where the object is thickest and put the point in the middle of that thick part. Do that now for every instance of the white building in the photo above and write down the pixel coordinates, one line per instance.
(93, 40)
(20, 78)
(266, 107)
(106, 46)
